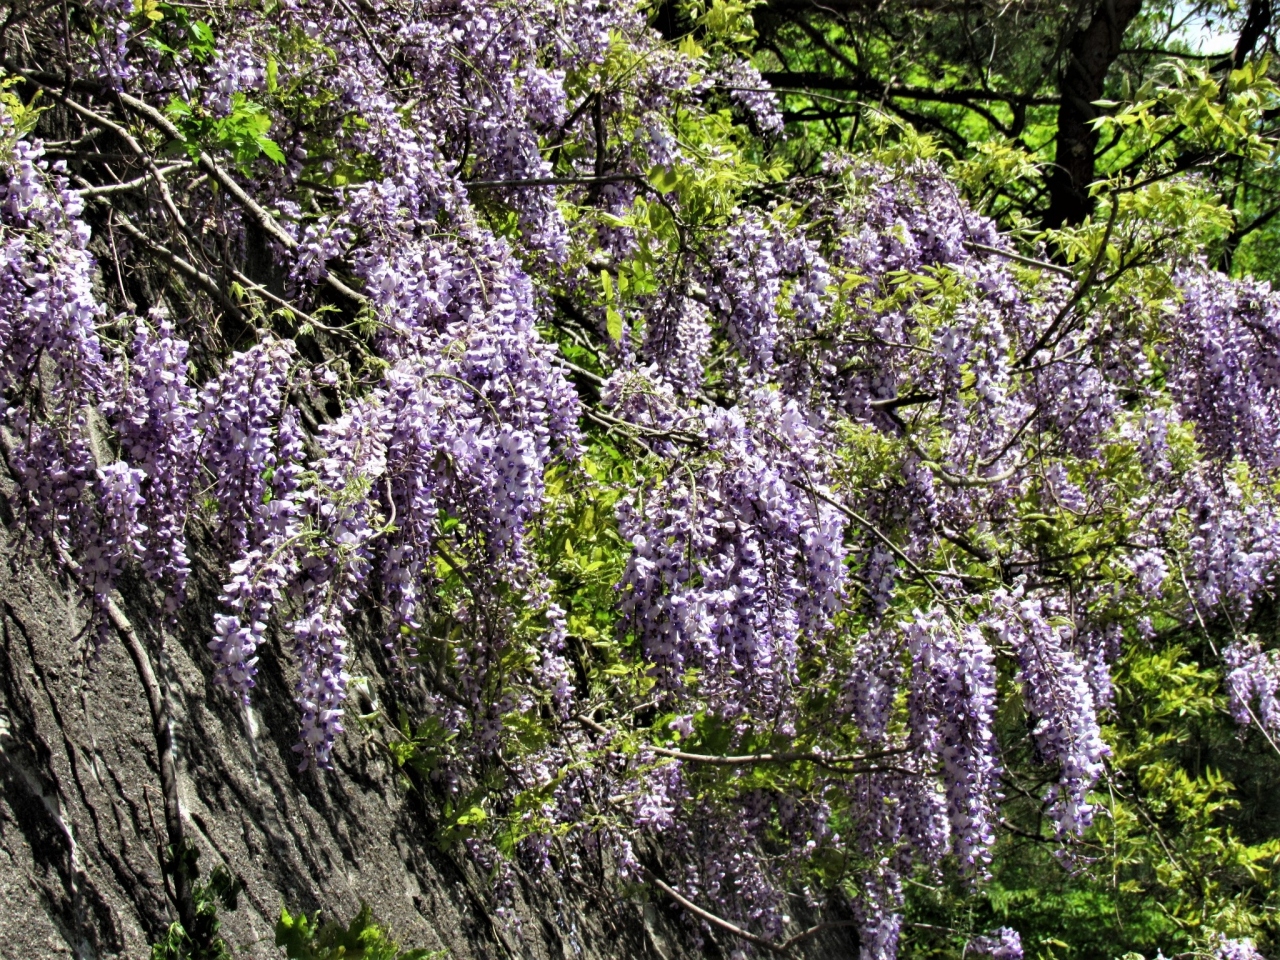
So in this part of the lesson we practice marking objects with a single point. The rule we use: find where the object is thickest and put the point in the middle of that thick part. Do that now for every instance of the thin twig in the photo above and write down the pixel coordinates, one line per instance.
(734, 929)
(556, 181)
(836, 763)
(1214, 647)
(974, 247)
(259, 213)
(107, 124)
(187, 269)
(126, 186)
(875, 531)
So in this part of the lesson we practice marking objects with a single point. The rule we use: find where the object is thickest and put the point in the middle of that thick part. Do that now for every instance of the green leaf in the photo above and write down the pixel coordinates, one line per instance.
(474, 816)
(613, 324)
(664, 180)
(270, 149)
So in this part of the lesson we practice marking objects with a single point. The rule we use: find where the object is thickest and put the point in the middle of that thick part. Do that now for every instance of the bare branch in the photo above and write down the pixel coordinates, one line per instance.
(1019, 258)
(734, 929)
(129, 185)
(836, 762)
(187, 269)
(800, 80)
(557, 181)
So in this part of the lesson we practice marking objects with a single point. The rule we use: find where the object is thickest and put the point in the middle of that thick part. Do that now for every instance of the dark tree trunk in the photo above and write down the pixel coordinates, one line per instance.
(1089, 57)
(1255, 24)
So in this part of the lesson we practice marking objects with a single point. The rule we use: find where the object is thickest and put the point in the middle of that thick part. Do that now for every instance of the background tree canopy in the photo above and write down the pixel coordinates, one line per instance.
(812, 463)
(1037, 77)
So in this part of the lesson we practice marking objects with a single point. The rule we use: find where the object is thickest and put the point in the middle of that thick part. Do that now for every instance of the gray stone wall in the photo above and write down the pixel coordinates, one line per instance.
(82, 821)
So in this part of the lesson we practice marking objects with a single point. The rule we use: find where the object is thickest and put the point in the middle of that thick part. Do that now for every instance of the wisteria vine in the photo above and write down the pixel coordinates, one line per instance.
(355, 305)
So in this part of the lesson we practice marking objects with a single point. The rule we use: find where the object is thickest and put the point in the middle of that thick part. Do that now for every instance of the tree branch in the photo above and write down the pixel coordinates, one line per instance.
(187, 269)
(734, 929)
(1019, 258)
(709, 917)
(837, 763)
(801, 79)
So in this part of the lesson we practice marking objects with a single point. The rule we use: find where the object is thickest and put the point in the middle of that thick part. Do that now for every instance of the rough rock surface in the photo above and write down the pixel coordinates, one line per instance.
(81, 819)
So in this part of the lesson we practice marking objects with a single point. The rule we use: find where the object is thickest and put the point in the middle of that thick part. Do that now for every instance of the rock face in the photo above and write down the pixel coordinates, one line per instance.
(81, 817)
